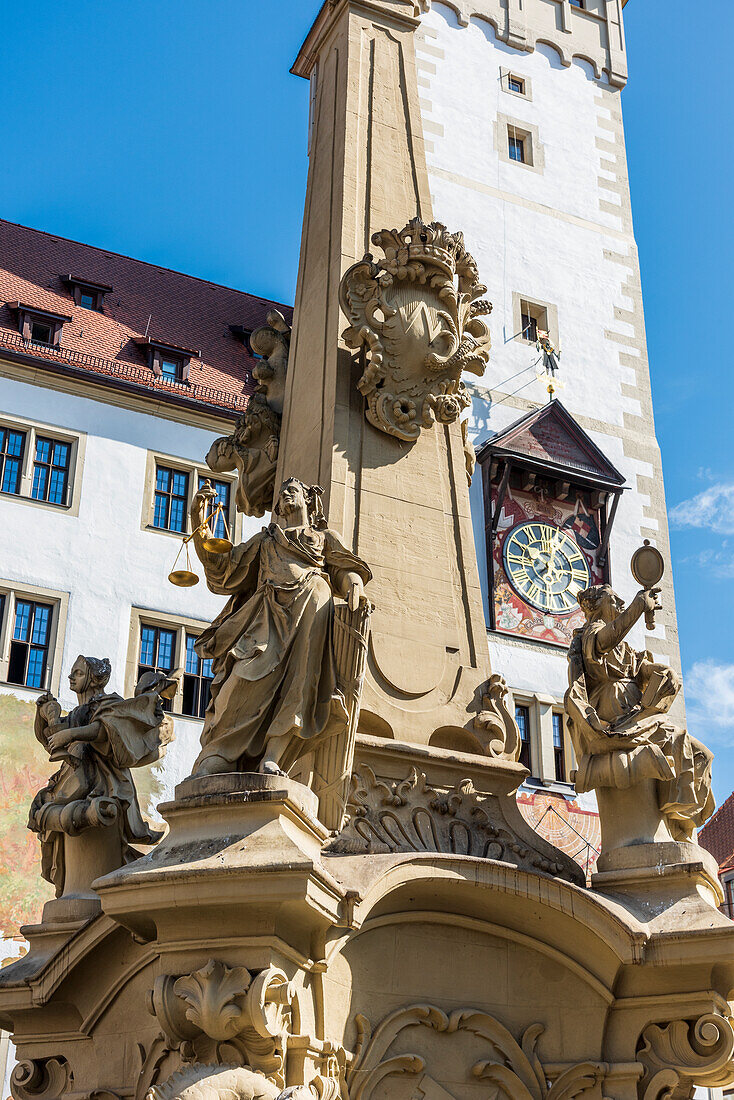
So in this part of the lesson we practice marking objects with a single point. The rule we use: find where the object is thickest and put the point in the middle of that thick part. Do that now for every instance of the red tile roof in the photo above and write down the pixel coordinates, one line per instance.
(175, 309)
(717, 835)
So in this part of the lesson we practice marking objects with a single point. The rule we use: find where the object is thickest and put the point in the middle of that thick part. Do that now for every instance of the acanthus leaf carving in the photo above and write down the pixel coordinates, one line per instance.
(418, 313)
(513, 1068)
(411, 816)
(222, 1015)
(214, 996)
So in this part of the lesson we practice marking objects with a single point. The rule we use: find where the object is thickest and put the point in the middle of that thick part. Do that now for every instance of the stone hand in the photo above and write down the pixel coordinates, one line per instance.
(649, 599)
(46, 697)
(60, 739)
(355, 591)
(201, 504)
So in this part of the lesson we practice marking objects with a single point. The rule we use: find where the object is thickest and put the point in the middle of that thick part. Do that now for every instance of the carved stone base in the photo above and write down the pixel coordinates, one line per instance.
(663, 884)
(235, 839)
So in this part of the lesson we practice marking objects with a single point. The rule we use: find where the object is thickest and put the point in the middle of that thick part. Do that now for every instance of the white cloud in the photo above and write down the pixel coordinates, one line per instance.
(718, 562)
(709, 688)
(713, 508)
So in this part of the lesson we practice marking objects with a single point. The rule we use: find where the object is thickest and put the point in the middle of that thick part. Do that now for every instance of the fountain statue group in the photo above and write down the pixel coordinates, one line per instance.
(288, 654)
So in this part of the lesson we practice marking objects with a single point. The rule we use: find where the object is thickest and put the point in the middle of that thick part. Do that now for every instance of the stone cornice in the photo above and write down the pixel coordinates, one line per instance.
(406, 12)
(588, 35)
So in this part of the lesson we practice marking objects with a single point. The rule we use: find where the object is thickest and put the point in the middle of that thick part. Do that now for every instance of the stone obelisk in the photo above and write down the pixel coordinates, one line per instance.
(402, 506)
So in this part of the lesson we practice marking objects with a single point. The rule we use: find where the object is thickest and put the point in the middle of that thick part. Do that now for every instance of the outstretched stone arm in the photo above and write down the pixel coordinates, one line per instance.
(612, 633)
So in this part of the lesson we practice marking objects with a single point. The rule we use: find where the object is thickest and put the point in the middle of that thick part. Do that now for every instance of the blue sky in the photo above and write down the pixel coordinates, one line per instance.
(171, 130)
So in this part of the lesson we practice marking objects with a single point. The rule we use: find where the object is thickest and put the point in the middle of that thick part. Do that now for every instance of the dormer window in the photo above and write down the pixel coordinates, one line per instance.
(42, 332)
(167, 360)
(171, 367)
(88, 295)
(39, 326)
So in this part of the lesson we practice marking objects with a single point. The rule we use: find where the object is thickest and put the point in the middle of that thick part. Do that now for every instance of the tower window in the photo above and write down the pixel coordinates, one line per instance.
(516, 145)
(532, 318)
(516, 84)
(522, 717)
(559, 751)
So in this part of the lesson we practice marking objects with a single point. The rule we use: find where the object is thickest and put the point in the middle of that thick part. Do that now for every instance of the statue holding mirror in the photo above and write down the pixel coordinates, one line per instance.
(652, 779)
(275, 693)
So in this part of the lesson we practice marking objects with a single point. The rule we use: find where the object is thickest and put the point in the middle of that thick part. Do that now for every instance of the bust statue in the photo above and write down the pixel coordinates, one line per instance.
(652, 779)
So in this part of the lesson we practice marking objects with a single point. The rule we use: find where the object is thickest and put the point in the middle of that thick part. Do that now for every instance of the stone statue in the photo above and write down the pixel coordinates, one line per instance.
(252, 449)
(653, 780)
(274, 695)
(419, 315)
(97, 743)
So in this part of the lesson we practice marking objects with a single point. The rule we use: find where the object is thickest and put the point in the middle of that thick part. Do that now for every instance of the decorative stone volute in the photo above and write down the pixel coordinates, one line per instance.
(222, 1015)
(418, 313)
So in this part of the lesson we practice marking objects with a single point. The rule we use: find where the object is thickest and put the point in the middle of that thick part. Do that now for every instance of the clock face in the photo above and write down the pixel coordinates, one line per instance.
(545, 566)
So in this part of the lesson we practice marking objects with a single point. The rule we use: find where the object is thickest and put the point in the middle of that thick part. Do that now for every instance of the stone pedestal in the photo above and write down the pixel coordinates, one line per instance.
(89, 856)
(236, 841)
(667, 885)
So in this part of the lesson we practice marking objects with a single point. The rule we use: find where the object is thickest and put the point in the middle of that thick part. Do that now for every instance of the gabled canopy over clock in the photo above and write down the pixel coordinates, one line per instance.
(550, 497)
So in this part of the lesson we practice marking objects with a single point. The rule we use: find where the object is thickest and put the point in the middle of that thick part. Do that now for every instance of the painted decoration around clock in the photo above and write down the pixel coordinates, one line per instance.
(575, 528)
(545, 566)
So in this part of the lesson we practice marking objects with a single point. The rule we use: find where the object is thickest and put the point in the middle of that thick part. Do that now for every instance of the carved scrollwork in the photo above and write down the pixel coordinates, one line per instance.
(682, 1053)
(222, 1015)
(410, 816)
(495, 725)
(513, 1068)
(40, 1078)
(418, 313)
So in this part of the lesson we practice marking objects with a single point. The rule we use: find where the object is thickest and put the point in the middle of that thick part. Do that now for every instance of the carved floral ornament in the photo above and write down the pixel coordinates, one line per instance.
(510, 1070)
(682, 1053)
(418, 314)
(410, 816)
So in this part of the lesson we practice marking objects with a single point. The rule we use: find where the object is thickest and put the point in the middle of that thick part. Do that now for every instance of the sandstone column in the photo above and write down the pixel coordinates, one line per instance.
(404, 507)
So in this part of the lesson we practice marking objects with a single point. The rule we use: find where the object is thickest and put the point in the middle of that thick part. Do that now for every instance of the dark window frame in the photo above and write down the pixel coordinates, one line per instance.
(515, 146)
(51, 467)
(516, 80)
(522, 717)
(23, 648)
(559, 747)
(15, 459)
(197, 680)
(168, 496)
(157, 665)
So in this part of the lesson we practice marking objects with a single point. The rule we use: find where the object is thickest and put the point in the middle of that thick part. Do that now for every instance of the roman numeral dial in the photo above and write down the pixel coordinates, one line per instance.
(545, 566)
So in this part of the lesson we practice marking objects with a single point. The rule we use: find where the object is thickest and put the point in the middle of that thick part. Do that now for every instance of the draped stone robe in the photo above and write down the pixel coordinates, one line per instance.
(271, 646)
(608, 686)
(93, 788)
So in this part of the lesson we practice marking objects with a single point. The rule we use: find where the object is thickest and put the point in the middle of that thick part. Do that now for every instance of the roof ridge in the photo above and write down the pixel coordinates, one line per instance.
(148, 263)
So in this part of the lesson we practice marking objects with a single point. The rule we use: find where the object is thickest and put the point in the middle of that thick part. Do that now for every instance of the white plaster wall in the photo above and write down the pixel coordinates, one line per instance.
(102, 557)
(543, 235)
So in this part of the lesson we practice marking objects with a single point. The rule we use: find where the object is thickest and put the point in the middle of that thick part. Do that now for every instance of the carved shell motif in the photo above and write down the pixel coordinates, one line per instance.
(418, 313)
